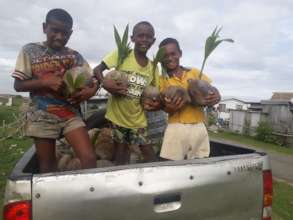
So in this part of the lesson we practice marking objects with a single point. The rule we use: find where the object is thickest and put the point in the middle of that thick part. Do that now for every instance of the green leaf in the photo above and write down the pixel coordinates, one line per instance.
(95, 137)
(125, 36)
(158, 58)
(211, 43)
(117, 38)
(123, 46)
(79, 81)
(69, 79)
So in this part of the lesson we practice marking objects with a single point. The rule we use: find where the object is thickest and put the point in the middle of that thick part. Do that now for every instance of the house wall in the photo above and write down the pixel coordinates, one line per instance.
(244, 121)
(231, 104)
(280, 117)
(237, 119)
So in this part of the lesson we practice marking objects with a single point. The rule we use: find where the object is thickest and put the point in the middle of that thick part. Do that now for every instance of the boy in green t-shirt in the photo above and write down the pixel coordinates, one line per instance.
(124, 108)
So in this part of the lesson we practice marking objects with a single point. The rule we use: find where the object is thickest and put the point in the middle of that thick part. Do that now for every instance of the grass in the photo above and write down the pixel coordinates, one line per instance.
(8, 113)
(241, 139)
(283, 201)
(10, 151)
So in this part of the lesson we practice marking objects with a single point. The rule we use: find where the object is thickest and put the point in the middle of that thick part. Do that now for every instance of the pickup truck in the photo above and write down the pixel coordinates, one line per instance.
(234, 183)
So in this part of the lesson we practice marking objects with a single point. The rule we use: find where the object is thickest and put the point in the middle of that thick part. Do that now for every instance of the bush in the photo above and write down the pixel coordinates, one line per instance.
(264, 132)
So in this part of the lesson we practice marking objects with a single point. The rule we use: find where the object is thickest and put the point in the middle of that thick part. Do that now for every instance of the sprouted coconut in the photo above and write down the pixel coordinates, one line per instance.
(199, 89)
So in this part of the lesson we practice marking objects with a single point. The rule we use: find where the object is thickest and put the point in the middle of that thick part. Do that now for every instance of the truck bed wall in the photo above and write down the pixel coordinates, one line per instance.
(28, 163)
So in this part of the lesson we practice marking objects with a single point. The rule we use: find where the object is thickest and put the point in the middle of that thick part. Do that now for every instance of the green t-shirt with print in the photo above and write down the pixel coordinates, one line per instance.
(126, 111)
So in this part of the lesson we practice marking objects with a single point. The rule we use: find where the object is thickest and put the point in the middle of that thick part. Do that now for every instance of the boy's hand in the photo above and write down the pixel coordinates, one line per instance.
(53, 82)
(171, 105)
(151, 104)
(115, 87)
(213, 97)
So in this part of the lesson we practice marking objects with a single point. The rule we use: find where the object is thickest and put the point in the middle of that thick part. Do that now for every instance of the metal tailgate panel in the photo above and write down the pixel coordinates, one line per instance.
(225, 190)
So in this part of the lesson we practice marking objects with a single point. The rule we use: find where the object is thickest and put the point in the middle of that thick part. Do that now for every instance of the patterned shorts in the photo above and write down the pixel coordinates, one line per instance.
(130, 136)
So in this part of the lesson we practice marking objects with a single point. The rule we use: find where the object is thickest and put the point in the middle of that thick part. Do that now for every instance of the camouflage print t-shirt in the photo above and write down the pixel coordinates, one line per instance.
(37, 61)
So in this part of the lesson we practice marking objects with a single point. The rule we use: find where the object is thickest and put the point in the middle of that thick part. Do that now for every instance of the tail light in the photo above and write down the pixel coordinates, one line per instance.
(17, 211)
(267, 195)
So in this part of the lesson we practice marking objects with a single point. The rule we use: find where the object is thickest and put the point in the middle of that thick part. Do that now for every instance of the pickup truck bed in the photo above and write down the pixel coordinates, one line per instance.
(234, 183)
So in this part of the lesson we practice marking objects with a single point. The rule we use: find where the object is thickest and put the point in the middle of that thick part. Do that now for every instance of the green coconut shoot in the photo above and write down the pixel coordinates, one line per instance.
(158, 58)
(74, 80)
(123, 46)
(211, 43)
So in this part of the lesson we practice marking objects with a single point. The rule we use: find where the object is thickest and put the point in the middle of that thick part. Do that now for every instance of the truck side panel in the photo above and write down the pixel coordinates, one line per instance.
(217, 189)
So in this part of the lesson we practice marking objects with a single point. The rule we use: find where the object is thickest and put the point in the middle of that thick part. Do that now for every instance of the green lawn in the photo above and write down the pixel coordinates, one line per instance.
(10, 151)
(8, 113)
(283, 201)
(251, 142)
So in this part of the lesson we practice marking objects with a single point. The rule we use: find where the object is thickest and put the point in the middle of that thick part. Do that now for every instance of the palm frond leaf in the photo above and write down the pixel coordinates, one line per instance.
(211, 43)
(158, 58)
(123, 46)
(79, 81)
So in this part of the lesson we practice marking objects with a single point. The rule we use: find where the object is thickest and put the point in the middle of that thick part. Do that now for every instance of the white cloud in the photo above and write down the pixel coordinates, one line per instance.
(258, 63)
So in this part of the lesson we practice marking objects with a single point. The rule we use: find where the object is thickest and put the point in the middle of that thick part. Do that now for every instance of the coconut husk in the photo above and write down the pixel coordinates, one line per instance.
(63, 161)
(198, 90)
(104, 146)
(58, 155)
(135, 154)
(118, 76)
(150, 93)
(73, 164)
(63, 146)
(104, 163)
(176, 91)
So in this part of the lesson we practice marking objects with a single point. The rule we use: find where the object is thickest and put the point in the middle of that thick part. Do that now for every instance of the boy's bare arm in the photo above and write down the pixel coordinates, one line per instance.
(98, 71)
(54, 83)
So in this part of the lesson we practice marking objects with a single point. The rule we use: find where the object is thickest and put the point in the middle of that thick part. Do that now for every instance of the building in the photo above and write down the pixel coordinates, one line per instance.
(226, 105)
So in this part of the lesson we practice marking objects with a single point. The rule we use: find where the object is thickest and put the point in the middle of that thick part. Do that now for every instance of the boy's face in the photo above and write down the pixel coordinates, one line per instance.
(143, 38)
(58, 33)
(172, 56)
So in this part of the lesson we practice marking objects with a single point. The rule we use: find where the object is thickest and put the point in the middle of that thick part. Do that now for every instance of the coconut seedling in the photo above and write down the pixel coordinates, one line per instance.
(123, 50)
(199, 89)
(75, 80)
(171, 92)
(152, 92)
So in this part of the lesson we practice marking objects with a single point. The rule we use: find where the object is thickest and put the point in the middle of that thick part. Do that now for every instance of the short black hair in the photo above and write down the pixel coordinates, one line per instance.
(60, 15)
(169, 40)
(143, 23)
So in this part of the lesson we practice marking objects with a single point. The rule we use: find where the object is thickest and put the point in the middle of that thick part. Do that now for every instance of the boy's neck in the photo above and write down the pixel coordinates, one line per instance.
(178, 72)
(141, 58)
(50, 48)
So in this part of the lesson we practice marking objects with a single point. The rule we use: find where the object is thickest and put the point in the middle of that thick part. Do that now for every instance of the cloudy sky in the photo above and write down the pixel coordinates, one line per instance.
(257, 64)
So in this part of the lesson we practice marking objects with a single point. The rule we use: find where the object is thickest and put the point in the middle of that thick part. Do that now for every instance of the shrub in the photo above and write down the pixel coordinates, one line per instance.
(264, 132)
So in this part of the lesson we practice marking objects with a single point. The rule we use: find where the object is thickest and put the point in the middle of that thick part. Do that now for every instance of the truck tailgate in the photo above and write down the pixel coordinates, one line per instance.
(226, 188)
